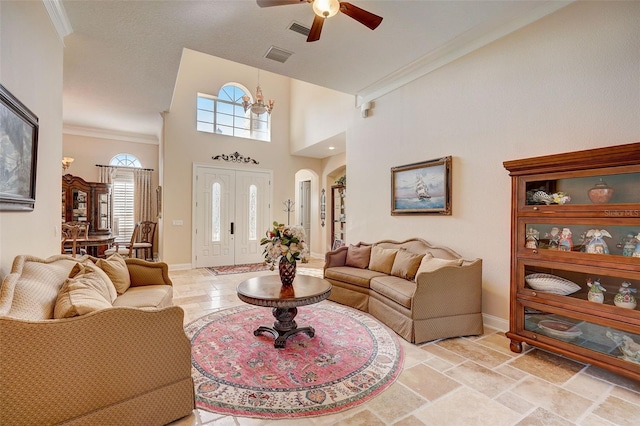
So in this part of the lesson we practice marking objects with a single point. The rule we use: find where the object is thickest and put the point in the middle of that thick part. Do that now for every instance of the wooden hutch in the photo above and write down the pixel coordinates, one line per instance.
(575, 227)
(90, 202)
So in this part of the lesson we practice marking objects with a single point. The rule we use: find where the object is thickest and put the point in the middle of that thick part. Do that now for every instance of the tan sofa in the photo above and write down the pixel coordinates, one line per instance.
(126, 364)
(423, 292)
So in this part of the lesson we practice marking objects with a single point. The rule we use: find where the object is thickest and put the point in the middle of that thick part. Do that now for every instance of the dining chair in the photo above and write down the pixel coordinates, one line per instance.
(145, 239)
(70, 233)
(124, 249)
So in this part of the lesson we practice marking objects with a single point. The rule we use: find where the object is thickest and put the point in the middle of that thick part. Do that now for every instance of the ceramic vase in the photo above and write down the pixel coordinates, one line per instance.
(287, 271)
(601, 193)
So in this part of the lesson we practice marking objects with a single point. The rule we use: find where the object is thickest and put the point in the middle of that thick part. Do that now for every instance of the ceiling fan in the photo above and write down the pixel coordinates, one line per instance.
(326, 9)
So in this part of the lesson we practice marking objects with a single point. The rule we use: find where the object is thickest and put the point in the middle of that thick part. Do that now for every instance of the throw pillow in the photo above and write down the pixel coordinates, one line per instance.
(406, 264)
(98, 277)
(430, 263)
(358, 256)
(382, 259)
(116, 268)
(78, 296)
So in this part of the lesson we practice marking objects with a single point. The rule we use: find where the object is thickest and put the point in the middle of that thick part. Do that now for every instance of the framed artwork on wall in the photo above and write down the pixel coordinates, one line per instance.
(18, 153)
(422, 188)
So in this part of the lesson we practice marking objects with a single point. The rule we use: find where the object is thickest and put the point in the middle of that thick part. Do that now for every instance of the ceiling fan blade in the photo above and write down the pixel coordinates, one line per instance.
(316, 28)
(366, 18)
(269, 3)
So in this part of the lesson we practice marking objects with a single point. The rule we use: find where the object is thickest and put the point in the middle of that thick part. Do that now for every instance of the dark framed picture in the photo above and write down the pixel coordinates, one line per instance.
(18, 154)
(337, 243)
(422, 188)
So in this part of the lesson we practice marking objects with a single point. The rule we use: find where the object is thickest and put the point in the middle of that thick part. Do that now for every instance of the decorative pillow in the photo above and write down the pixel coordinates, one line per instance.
(382, 259)
(98, 277)
(358, 257)
(406, 264)
(430, 263)
(116, 268)
(551, 284)
(78, 296)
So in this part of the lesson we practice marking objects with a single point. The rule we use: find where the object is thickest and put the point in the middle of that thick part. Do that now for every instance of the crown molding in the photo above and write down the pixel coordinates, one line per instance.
(464, 44)
(110, 134)
(58, 17)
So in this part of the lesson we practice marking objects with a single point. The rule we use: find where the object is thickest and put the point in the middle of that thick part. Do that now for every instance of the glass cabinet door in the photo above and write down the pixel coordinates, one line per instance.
(104, 212)
(79, 206)
(593, 188)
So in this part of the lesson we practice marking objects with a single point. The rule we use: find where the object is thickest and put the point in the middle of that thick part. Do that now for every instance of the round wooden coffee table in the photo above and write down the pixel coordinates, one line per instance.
(268, 291)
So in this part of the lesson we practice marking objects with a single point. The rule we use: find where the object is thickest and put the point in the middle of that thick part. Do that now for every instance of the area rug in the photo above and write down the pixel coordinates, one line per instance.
(351, 359)
(257, 267)
(238, 269)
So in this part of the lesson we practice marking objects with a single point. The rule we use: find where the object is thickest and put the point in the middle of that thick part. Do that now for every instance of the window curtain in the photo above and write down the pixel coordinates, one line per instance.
(106, 174)
(142, 195)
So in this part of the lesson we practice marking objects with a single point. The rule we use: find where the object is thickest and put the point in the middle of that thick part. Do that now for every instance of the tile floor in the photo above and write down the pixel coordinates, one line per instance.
(463, 381)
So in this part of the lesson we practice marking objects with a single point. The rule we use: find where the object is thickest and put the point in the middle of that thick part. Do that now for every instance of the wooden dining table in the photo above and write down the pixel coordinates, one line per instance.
(95, 244)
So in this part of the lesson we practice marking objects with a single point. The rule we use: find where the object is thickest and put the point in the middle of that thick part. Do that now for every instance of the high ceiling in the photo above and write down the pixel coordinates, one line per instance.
(122, 58)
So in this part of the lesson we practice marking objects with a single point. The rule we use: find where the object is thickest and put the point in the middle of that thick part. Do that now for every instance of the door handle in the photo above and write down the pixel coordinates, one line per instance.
(232, 228)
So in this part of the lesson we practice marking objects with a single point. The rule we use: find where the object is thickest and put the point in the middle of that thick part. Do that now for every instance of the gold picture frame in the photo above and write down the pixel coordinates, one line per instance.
(422, 188)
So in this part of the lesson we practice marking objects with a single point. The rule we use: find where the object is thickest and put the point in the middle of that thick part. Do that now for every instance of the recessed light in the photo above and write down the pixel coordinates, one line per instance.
(332, 147)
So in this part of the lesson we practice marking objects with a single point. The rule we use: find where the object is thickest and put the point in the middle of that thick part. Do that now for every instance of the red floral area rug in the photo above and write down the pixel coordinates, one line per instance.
(351, 359)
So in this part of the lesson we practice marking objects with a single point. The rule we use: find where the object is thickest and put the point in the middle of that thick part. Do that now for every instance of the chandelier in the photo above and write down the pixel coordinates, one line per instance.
(258, 107)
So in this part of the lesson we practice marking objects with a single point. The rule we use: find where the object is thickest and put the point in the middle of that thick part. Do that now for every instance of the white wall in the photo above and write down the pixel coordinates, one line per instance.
(183, 145)
(568, 82)
(318, 114)
(31, 69)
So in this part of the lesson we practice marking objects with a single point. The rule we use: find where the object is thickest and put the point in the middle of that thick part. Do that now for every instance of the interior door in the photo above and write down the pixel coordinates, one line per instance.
(305, 209)
(232, 213)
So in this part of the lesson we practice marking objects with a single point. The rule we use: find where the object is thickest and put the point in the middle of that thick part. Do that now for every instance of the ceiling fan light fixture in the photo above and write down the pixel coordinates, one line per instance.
(326, 8)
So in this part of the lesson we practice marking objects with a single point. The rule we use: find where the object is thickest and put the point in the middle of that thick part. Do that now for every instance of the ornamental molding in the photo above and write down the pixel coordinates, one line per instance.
(236, 157)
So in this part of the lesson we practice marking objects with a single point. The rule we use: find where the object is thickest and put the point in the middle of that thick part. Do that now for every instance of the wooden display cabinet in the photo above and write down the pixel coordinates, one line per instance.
(90, 202)
(601, 334)
(338, 215)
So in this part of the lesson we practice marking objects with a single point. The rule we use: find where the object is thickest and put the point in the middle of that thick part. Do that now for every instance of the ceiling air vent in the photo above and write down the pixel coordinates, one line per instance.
(278, 54)
(299, 28)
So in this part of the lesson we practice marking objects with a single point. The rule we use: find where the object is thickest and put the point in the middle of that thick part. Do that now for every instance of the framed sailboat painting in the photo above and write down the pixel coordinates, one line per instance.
(422, 188)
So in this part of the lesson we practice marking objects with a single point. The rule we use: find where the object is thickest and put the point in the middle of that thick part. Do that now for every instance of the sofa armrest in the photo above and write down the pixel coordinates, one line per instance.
(57, 370)
(143, 272)
(449, 291)
(335, 258)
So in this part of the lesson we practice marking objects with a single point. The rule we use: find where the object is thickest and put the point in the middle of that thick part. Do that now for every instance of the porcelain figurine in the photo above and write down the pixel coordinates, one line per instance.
(596, 242)
(636, 252)
(625, 298)
(554, 238)
(628, 245)
(596, 291)
(630, 349)
(565, 243)
(533, 238)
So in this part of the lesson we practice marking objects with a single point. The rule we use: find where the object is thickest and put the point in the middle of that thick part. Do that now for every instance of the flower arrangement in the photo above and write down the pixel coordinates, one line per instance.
(284, 241)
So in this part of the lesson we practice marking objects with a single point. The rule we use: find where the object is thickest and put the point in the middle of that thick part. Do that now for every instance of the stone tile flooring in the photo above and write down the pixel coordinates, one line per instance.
(463, 381)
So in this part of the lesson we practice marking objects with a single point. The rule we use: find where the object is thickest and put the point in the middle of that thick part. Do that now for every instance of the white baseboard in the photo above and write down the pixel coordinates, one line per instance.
(495, 322)
(180, 267)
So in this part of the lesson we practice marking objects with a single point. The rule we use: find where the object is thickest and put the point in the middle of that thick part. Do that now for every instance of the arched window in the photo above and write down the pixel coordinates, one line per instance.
(122, 193)
(125, 160)
(225, 115)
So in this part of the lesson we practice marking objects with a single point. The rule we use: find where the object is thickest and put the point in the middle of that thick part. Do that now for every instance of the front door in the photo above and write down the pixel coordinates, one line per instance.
(232, 215)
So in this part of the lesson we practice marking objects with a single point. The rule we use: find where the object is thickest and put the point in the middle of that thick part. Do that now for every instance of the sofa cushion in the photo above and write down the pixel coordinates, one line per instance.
(149, 296)
(116, 269)
(358, 256)
(348, 274)
(430, 263)
(394, 288)
(382, 259)
(80, 296)
(30, 290)
(102, 281)
(406, 264)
